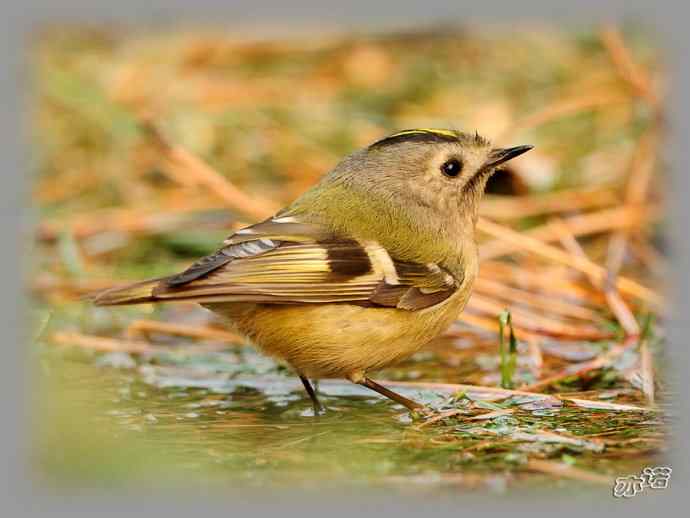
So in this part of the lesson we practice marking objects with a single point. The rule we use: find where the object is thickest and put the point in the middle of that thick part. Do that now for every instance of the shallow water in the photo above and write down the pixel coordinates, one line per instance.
(235, 418)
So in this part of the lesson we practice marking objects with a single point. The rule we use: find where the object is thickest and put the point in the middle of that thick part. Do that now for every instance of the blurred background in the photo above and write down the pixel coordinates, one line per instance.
(150, 147)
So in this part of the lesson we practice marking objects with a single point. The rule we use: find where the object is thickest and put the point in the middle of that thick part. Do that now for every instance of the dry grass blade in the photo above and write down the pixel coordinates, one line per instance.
(623, 314)
(648, 255)
(101, 344)
(580, 225)
(440, 417)
(493, 393)
(517, 207)
(186, 168)
(564, 108)
(536, 300)
(617, 305)
(563, 470)
(647, 372)
(535, 354)
(642, 168)
(537, 323)
(604, 405)
(641, 171)
(533, 338)
(558, 282)
(579, 369)
(492, 415)
(145, 327)
(72, 288)
(489, 324)
(131, 220)
(647, 365)
(625, 65)
(527, 243)
(547, 436)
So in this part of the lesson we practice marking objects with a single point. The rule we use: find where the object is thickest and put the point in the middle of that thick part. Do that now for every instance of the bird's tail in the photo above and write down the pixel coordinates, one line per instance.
(136, 293)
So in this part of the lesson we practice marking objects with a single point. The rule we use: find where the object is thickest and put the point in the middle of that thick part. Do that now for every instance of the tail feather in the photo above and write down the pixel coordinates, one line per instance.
(137, 293)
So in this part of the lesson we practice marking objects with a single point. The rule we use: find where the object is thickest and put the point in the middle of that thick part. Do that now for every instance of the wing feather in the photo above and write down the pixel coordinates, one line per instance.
(286, 261)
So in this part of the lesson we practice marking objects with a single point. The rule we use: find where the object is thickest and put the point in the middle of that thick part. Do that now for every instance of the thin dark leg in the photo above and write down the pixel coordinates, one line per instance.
(318, 409)
(408, 403)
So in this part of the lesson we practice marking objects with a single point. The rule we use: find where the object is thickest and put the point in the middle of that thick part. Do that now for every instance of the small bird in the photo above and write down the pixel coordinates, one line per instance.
(359, 272)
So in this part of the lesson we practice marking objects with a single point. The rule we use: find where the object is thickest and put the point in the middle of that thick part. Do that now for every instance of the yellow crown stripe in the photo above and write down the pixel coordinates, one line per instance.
(443, 132)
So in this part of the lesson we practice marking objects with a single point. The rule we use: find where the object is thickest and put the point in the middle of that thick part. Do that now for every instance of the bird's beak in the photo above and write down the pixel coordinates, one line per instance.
(501, 155)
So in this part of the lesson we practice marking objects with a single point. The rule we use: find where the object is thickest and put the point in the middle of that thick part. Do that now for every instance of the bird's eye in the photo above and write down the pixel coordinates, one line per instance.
(452, 167)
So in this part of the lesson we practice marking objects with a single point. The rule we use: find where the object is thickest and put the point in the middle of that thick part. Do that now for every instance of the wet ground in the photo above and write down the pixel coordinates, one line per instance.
(204, 414)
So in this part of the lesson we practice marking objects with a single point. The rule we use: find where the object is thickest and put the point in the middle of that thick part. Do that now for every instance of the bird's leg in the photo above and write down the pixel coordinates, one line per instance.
(412, 406)
(318, 408)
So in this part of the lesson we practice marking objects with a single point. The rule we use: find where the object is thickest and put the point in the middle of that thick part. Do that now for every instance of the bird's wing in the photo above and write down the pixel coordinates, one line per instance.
(285, 261)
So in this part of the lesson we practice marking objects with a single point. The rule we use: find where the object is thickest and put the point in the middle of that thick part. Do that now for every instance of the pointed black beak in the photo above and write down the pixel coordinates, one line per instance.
(501, 155)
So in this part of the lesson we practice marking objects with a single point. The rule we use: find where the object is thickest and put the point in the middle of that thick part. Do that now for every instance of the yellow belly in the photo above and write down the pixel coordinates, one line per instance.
(340, 340)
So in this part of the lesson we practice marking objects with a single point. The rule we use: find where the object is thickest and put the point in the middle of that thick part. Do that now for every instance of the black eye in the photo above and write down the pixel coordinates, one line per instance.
(452, 167)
